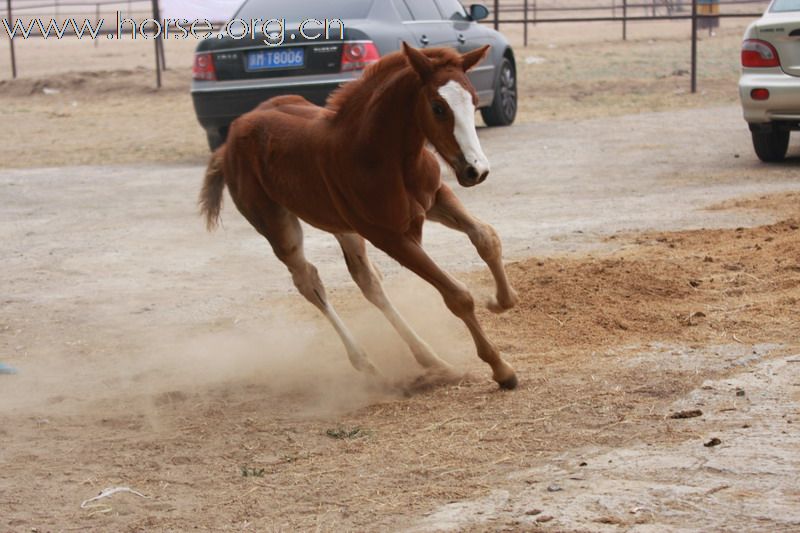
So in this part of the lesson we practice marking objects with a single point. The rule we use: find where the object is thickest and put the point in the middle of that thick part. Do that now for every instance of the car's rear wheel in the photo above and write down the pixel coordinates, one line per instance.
(771, 145)
(503, 110)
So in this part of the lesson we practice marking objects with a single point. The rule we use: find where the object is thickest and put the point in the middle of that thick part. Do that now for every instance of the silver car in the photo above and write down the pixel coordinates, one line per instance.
(234, 73)
(770, 83)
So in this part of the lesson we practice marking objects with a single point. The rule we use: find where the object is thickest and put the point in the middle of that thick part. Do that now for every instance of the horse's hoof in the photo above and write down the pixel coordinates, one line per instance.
(501, 305)
(509, 383)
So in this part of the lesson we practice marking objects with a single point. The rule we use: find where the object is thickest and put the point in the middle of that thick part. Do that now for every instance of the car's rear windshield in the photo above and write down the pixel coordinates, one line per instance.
(785, 5)
(295, 10)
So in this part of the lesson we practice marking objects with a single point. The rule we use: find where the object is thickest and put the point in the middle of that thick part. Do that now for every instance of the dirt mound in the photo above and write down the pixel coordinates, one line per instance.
(786, 204)
(116, 83)
(692, 286)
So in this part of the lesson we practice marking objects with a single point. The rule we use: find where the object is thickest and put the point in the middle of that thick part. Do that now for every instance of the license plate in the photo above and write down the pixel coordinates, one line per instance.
(275, 59)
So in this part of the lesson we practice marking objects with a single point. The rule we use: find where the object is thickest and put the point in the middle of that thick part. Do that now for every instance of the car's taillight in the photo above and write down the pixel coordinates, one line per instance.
(759, 54)
(359, 55)
(203, 68)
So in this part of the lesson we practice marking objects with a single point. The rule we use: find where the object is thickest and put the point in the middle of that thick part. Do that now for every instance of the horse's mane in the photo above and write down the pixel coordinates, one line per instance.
(376, 77)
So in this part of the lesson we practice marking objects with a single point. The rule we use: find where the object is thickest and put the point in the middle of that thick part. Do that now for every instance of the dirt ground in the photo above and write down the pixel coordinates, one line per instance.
(156, 357)
(658, 264)
(610, 347)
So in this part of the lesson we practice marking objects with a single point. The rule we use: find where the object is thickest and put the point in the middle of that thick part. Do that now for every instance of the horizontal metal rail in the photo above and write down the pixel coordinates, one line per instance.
(623, 19)
(618, 5)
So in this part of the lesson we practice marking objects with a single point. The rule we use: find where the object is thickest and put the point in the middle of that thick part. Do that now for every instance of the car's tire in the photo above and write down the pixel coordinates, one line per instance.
(771, 145)
(503, 110)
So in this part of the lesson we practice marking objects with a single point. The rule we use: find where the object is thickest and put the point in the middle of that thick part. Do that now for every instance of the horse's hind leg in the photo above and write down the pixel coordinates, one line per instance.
(368, 280)
(449, 210)
(284, 233)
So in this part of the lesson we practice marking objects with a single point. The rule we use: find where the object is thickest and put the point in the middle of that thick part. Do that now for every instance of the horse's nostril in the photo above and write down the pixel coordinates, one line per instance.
(483, 176)
(472, 172)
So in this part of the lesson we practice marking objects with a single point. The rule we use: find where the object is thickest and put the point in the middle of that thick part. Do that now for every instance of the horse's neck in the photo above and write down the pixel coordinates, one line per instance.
(382, 117)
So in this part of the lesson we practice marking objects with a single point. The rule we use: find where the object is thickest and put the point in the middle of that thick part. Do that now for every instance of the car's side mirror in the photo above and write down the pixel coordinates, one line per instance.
(478, 12)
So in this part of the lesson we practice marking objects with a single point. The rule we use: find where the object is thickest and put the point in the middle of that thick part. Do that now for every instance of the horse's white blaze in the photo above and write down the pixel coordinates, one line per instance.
(460, 102)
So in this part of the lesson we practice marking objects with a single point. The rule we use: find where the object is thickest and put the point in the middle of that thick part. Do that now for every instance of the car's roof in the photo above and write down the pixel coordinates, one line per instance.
(793, 5)
(780, 16)
(344, 9)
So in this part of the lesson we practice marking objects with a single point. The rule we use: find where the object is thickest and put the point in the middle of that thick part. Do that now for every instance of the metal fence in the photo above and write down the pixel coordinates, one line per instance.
(533, 12)
(527, 13)
(25, 10)
(621, 11)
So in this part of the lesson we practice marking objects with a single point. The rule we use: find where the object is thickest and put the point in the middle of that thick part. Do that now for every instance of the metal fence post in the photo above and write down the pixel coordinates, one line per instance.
(525, 24)
(160, 39)
(624, 20)
(155, 44)
(11, 43)
(496, 14)
(694, 46)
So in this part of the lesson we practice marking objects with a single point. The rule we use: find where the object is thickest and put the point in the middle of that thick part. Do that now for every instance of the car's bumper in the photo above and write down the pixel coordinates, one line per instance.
(218, 103)
(783, 104)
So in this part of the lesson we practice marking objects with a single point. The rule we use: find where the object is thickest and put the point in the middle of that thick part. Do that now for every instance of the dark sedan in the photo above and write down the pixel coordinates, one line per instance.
(311, 47)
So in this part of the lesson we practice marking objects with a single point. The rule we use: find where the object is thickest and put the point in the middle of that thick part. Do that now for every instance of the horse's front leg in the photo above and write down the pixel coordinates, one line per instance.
(449, 210)
(458, 299)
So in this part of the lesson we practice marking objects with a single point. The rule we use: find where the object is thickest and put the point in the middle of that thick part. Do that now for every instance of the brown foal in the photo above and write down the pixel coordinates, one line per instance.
(359, 168)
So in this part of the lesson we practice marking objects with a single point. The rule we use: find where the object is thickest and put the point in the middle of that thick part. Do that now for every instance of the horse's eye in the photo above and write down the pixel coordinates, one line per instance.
(438, 110)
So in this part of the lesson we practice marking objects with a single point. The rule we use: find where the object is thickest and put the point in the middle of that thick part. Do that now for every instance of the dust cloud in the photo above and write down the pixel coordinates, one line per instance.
(289, 352)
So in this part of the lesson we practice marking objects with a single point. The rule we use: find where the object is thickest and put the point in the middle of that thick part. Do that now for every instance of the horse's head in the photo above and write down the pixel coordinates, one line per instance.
(445, 109)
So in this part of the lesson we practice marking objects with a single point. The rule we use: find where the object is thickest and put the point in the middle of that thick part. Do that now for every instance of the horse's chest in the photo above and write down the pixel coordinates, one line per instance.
(422, 180)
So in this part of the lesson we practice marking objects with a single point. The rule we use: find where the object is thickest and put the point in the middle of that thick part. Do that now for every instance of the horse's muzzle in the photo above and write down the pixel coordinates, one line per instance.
(469, 176)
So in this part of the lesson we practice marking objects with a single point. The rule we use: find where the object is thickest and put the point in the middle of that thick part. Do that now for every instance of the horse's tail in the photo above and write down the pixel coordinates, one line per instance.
(211, 195)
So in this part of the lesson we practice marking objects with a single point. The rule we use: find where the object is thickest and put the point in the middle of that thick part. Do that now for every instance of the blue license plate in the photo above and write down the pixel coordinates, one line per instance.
(274, 59)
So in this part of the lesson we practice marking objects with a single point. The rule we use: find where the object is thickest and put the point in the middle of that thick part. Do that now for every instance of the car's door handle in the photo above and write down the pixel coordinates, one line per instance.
(461, 38)
(424, 40)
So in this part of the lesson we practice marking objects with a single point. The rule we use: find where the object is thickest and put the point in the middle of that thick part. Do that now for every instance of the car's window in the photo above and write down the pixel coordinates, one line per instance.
(294, 11)
(786, 5)
(452, 9)
(423, 10)
(402, 8)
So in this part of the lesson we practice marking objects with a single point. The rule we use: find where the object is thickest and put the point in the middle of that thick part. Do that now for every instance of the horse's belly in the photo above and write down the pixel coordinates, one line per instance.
(303, 191)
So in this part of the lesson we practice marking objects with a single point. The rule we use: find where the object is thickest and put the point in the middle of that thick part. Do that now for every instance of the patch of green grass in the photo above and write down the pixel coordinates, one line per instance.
(248, 471)
(346, 434)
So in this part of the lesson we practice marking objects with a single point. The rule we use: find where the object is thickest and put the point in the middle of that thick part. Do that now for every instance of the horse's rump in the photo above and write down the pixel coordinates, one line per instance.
(276, 150)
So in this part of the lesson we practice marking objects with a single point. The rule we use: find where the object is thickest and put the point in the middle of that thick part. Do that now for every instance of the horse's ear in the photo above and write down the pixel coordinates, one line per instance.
(470, 59)
(419, 61)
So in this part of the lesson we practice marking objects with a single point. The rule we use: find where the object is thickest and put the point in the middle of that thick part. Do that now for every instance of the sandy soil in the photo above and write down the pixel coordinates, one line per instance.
(156, 357)
(658, 263)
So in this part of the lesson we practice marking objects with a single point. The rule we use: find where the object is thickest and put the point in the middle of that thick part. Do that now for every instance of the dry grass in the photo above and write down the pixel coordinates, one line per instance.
(111, 113)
